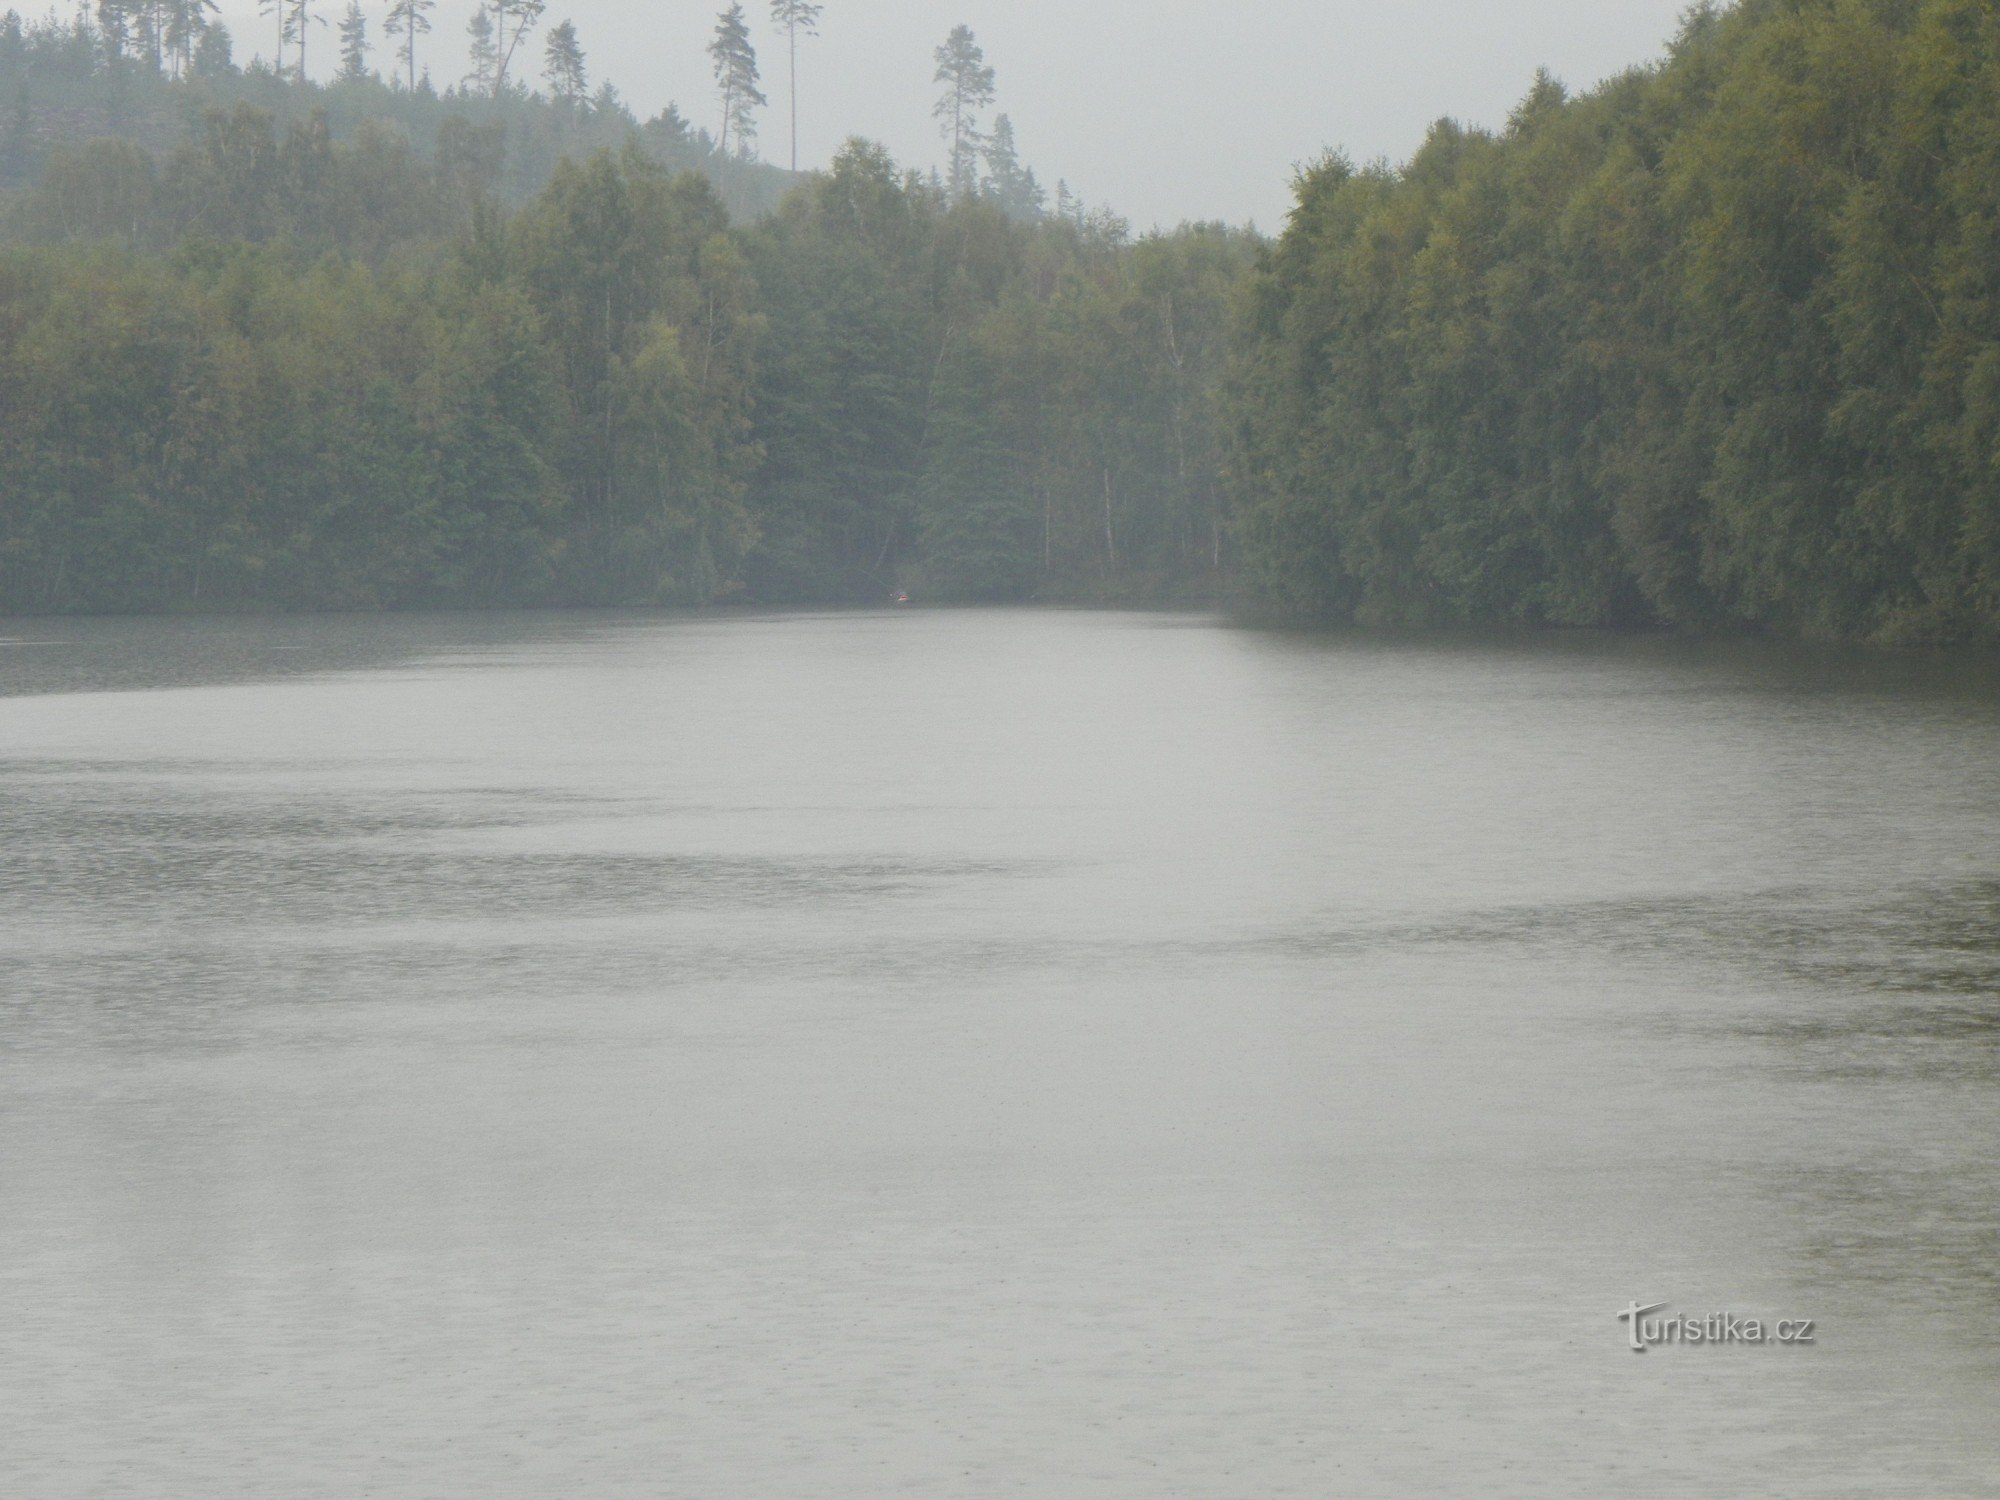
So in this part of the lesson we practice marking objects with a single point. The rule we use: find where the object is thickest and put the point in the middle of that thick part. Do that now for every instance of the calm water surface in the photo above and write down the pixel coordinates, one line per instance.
(966, 1054)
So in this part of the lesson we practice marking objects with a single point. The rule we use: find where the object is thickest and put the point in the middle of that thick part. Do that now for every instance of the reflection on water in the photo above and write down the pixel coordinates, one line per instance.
(109, 655)
(988, 1054)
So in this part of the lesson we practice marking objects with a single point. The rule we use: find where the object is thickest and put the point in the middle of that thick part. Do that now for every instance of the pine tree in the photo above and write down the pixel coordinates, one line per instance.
(735, 62)
(146, 24)
(1069, 207)
(353, 44)
(185, 22)
(563, 66)
(409, 19)
(483, 52)
(298, 20)
(281, 11)
(968, 81)
(513, 20)
(159, 16)
(796, 17)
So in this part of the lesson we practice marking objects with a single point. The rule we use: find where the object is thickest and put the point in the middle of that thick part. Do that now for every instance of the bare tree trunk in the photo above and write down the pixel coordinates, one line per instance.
(1048, 526)
(957, 137)
(1182, 527)
(1110, 537)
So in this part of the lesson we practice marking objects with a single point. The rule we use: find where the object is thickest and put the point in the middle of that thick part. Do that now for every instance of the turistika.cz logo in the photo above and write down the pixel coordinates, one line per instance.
(1644, 1333)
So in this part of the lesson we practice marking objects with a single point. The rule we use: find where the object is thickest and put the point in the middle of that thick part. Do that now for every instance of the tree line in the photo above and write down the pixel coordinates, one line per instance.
(142, 69)
(1716, 345)
(137, 73)
(284, 365)
(301, 358)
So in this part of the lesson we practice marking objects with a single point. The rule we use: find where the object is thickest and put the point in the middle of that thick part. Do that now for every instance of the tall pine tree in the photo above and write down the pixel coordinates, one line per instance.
(735, 61)
(797, 17)
(563, 68)
(968, 88)
(409, 19)
(482, 51)
(512, 21)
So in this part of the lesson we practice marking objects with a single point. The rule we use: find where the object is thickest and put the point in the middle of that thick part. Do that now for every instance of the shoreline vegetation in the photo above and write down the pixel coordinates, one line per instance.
(1714, 348)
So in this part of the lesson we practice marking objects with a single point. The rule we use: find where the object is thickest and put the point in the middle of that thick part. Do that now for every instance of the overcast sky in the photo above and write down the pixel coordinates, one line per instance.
(1165, 110)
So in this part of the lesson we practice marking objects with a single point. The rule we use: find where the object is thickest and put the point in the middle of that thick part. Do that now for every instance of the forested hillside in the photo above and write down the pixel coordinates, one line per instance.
(152, 74)
(282, 364)
(1714, 346)
(1717, 345)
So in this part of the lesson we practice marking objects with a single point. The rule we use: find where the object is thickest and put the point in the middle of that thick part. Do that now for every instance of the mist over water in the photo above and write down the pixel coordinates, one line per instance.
(989, 1053)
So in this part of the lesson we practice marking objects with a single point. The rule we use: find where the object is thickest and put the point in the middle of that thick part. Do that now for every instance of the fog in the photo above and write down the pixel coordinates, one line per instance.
(1167, 111)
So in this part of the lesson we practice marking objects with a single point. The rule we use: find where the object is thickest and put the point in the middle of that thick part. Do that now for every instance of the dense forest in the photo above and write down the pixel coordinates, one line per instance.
(304, 358)
(1715, 346)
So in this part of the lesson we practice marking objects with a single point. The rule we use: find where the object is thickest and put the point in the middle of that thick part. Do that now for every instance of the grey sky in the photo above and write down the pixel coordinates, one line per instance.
(1167, 110)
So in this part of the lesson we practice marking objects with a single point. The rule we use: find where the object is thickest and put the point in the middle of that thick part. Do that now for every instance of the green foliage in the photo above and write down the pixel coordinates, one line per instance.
(327, 359)
(239, 425)
(1715, 345)
(646, 307)
(270, 344)
(983, 406)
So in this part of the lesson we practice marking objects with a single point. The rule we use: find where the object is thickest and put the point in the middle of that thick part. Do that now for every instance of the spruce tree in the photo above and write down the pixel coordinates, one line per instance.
(482, 50)
(353, 44)
(1010, 184)
(213, 52)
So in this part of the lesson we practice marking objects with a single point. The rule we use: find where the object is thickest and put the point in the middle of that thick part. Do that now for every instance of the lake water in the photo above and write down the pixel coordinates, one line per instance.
(989, 1053)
